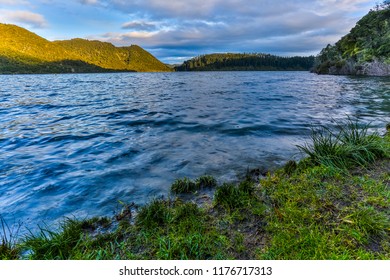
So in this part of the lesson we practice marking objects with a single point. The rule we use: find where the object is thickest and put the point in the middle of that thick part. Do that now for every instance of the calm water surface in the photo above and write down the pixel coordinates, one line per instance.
(73, 145)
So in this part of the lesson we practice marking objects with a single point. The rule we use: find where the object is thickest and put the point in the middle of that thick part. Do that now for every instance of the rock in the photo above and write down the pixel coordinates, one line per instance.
(375, 68)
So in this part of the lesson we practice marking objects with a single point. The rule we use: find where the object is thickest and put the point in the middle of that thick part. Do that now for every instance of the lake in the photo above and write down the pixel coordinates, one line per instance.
(75, 145)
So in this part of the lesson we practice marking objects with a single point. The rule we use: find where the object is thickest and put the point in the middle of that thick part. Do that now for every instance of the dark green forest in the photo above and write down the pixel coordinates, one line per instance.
(246, 62)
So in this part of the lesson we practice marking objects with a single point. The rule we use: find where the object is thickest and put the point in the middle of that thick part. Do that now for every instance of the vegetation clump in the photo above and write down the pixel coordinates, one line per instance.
(206, 181)
(186, 185)
(290, 167)
(9, 249)
(349, 146)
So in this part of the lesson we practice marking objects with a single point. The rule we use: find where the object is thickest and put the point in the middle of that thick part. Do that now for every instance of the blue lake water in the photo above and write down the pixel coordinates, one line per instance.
(74, 145)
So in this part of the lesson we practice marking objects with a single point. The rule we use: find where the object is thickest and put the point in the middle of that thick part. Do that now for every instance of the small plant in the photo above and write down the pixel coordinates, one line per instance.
(206, 181)
(231, 197)
(290, 167)
(246, 187)
(8, 241)
(184, 185)
(154, 214)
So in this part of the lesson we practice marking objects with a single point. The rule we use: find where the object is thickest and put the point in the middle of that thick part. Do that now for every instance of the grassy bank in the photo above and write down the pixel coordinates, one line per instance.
(334, 204)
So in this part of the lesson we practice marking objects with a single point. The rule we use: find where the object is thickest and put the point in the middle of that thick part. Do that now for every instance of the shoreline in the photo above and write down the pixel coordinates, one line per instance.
(305, 210)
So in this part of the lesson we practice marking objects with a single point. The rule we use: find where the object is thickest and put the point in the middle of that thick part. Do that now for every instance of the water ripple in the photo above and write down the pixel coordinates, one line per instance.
(76, 144)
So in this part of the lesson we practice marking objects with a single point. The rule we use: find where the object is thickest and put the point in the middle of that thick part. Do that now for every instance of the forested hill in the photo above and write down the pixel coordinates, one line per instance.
(22, 51)
(246, 62)
(364, 51)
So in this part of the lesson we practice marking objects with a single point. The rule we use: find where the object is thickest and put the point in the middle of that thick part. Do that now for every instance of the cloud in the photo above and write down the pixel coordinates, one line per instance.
(13, 2)
(175, 29)
(195, 26)
(191, 9)
(89, 2)
(23, 17)
(140, 25)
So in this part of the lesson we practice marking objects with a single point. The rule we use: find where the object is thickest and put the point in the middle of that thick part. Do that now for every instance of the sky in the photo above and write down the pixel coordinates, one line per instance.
(177, 30)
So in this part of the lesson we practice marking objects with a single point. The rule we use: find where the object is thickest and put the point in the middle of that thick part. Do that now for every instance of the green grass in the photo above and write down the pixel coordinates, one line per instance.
(9, 249)
(186, 185)
(178, 230)
(324, 214)
(70, 241)
(348, 146)
(232, 197)
(206, 181)
(313, 209)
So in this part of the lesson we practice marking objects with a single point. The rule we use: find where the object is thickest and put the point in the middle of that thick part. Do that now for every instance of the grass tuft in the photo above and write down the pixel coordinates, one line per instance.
(8, 241)
(184, 185)
(206, 181)
(50, 244)
(349, 146)
(290, 167)
(156, 213)
(74, 239)
(233, 197)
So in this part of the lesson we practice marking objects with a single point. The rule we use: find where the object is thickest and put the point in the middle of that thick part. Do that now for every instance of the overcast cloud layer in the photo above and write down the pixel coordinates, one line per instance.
(176, 30)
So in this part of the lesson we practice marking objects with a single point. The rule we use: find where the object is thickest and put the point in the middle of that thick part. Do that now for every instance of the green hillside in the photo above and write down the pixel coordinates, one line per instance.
(22, 51)
(246, 62)
(107, 56)
(364, 51)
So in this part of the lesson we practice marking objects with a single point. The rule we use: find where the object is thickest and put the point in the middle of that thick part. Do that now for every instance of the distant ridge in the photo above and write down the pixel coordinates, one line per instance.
(23, 52)
(246, 62)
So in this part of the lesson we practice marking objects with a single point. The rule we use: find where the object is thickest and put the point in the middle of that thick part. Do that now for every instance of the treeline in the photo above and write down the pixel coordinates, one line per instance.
(246, 62)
